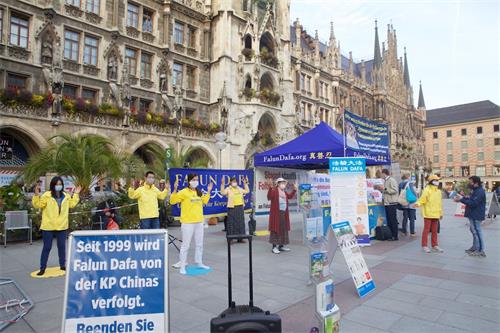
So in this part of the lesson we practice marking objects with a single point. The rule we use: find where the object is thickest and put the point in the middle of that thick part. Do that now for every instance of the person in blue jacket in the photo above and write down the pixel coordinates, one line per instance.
(475, 210)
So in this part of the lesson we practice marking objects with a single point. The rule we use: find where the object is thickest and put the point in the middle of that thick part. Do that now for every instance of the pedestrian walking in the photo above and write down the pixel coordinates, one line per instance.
(235, 206)
(147, 197)
(390, 193)
(432, 210)
(279, 217)
(191, 200)
(55, 205)
(475, 211)
(409, 211)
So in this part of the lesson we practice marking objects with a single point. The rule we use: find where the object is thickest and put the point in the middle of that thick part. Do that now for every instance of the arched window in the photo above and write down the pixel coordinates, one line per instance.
(248, 82)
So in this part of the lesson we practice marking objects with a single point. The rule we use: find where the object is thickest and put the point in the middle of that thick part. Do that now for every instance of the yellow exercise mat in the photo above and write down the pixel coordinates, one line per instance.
(262, 233)
(49, 273)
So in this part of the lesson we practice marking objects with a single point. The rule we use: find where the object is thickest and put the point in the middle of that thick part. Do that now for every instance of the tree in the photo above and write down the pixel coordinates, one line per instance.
(86, 159)
(178, 160)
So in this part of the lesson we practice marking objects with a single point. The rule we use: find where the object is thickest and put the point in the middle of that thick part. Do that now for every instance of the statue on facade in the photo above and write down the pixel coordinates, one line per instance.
(47, 51)
(56, 80)
(112, 68)
(124, 96)
(178, 103)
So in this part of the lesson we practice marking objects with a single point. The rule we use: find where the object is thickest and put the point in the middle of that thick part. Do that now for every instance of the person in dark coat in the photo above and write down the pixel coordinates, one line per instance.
(475, 211)
(279, 217)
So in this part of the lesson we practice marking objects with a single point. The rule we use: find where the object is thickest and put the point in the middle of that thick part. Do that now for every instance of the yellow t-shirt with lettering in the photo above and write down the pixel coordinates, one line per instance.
(191, 205)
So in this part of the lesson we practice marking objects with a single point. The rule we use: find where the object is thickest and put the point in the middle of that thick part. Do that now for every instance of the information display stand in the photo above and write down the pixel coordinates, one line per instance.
(321, 253)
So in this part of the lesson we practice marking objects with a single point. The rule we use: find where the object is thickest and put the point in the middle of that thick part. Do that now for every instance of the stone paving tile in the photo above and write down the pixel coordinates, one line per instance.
(412, 325)
(188, 316)
(373, 317)
(19, 327)
(348, 326)
(47, 317)
(477, 288)
(468, 323)
(422, 280)
(478, 300)
(471, 310)
(404, 308)
(424, 290)
(403, 296)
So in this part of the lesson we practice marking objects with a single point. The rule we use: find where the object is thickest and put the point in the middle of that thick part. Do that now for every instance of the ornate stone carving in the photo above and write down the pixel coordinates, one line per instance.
(192, 52)
(132, 32)
(90, 70)
(179, 47)
(112, 67)
(148, 37)
(73, 11)
(93, 18)
(133, 80)
(146, 83)
(71, 65)
(19, 52)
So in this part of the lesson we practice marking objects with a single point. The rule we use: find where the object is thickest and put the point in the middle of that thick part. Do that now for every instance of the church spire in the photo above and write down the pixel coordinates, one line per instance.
(421, 102)
(406, 71)
(332, 34)
(377, 58)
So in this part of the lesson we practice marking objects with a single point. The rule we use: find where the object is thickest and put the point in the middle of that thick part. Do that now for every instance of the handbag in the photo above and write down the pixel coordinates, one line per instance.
(410, 196)
(402, 196)
(112, 225)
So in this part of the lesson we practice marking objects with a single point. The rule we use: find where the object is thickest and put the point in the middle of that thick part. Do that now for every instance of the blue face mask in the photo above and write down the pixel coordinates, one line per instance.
(58, 188)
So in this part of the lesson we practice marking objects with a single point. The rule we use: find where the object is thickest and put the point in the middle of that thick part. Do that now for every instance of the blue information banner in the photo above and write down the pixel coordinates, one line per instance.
(116, 282)
(217, 206)
(366, 138)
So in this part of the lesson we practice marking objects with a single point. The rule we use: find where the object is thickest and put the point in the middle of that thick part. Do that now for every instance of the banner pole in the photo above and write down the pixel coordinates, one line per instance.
(343, 130)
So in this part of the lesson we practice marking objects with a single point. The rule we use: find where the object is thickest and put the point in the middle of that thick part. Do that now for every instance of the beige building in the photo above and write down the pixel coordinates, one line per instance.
(464, 140)
(175, 72)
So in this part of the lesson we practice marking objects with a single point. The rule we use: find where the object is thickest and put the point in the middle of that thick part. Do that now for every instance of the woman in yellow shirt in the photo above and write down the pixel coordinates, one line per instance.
(235, 206)
(191, 200)
(55, 205)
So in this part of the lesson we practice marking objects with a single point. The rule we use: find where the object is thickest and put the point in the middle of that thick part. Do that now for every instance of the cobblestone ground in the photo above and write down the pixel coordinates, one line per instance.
(416, 292)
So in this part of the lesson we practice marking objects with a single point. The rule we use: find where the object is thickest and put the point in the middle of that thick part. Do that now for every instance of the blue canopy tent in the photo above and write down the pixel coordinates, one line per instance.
(310, 151)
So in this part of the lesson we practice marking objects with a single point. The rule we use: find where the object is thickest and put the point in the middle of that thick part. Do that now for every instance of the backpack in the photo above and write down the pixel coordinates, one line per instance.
(383, 233)
(410, 196)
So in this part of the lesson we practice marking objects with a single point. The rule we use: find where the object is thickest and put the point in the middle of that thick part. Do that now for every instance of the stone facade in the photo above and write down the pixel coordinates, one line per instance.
(238, 64)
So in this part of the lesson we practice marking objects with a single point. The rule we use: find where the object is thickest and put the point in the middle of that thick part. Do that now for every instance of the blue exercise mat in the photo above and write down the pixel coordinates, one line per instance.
(195, 270)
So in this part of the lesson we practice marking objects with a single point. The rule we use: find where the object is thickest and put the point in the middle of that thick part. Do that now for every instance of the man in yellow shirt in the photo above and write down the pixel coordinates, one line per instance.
(191, 200)
(147, 197)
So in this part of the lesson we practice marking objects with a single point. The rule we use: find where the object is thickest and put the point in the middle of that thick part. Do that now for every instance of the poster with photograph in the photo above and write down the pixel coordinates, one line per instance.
(349, 195)
(324, 297)
(262, 177)
(320, 267)
(353, 257)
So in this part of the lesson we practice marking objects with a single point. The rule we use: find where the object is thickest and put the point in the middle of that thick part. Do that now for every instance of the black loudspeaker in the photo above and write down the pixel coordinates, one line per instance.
(244, 318)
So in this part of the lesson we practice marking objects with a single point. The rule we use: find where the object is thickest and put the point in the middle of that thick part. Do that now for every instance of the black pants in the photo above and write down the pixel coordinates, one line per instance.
(392, 220)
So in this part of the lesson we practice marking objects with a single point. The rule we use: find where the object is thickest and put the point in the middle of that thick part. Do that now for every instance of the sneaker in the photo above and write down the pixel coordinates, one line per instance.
(413, 235)
(426, 249)
(183, 270)
(469, 251)
(437, 249)
(284, 249)
(177, 265)
(276, 250)
(203, 266)
(481, 254)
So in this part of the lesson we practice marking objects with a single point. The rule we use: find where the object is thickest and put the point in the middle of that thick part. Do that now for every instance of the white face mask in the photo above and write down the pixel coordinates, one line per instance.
(150, 181)
(282, 186)
(58, 188)
(193, 184)
(435, 183)
(234, 184)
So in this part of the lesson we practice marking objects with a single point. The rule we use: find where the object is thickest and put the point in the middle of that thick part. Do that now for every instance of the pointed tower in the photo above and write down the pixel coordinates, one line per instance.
(421, 102)
(377, 58)
(406, 71)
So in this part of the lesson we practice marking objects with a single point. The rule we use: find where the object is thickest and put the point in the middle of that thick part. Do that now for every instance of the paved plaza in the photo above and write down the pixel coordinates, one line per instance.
(416, 292)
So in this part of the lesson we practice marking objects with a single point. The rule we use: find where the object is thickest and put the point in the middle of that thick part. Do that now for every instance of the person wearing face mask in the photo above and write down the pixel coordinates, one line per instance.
(55, 205)
(475, 211)
(432, 211)
(191, 200)
(235, 206)
(147, 197)
(279, 217)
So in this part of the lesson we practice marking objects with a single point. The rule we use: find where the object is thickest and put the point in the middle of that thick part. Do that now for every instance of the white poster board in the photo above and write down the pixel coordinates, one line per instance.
(349, 195)
(116, 281)
(262, 177)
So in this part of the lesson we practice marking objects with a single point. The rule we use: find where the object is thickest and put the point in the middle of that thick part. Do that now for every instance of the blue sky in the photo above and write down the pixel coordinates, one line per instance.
(453, 46)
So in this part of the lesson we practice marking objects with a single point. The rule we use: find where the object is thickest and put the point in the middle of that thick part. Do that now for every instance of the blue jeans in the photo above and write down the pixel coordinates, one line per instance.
(477, 235)
(48, 236)
(409, 214)
(151, 223)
